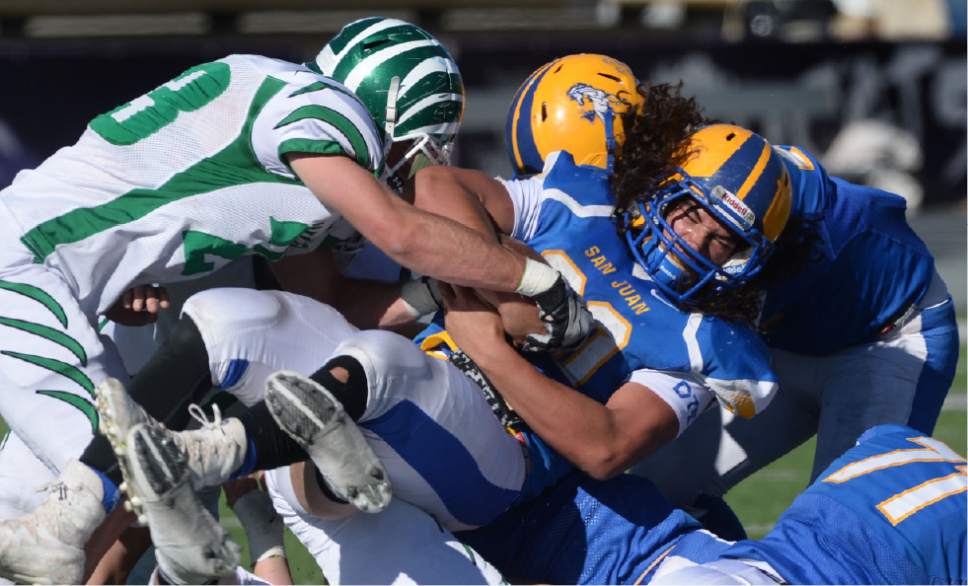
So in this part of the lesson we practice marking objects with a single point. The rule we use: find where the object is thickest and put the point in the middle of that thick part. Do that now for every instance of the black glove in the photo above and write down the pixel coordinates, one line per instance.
(567, 321)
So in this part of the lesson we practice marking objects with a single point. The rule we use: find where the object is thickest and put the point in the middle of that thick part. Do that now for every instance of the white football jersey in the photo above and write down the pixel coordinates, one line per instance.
(190, 176)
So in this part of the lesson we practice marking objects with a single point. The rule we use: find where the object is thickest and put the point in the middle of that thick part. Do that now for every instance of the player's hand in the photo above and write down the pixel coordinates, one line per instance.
(567, 321)
(473, 324)
(139, 306)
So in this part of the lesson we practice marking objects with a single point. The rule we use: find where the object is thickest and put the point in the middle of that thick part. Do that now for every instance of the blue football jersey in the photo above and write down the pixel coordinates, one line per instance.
(869, 266)
(638, 329)
(891, 510)
(585, 531)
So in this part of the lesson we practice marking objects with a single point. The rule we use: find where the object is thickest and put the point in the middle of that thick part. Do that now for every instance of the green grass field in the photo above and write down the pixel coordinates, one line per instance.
(758, 501)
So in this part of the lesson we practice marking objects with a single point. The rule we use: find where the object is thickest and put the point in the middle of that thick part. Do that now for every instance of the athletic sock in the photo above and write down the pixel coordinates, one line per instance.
(176, 375)
(267, 445)
(111, 495)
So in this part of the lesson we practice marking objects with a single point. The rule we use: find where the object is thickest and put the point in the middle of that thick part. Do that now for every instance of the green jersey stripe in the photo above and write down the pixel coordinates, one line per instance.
(55, 336)
(86, 407)
(322, 85)
(337, 120)
(306, 145)
(38, 295)
(236, 164)
(62, 368)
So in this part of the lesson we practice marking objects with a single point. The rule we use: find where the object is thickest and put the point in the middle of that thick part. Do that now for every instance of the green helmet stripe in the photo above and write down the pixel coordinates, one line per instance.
(368, 54)
(338, 121)
(372, 88)
(429, 83)
(349, 31)
(433, 119)
(394, 60)
(344, 63)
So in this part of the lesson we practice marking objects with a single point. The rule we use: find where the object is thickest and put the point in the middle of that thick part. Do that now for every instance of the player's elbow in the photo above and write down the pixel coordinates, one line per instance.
(607, 460)
(431, 186)
(395, 233)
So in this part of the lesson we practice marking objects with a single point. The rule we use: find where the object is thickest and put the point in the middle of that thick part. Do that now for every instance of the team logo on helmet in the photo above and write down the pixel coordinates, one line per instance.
(742, 216)
(602, 102)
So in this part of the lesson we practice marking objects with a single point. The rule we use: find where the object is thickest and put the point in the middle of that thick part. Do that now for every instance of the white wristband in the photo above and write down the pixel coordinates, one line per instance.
(536, 279)
(418, 298)
(276, 551)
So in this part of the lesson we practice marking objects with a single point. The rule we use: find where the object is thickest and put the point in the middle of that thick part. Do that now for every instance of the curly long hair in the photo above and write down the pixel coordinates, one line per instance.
(656, 142)
(656, 146)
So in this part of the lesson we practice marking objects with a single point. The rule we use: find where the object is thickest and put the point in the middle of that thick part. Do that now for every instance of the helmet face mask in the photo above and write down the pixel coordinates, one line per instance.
(676, 267)
(408, 82)
(743, 186)
(422, 150)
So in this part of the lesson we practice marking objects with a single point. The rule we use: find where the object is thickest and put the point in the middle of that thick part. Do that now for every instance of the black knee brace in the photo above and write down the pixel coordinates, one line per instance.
(353, 394)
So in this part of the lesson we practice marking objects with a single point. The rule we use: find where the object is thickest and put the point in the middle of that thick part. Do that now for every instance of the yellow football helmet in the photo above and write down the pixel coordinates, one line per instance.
(573, 104)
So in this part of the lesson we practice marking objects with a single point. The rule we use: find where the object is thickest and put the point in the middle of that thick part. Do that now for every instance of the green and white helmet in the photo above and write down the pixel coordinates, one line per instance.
(405, 78)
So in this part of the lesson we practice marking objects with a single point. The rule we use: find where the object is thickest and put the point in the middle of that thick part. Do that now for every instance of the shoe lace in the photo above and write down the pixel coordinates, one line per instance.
(198, 414)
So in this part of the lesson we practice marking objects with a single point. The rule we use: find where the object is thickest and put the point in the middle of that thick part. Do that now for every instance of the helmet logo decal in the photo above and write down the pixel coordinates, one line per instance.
(601, 101)
(744, 216)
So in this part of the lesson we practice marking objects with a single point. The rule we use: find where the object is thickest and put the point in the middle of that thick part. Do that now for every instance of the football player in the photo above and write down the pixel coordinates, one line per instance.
(862, 333)
(891, 510)
(244, 155)
(433, 431)
(862, 328)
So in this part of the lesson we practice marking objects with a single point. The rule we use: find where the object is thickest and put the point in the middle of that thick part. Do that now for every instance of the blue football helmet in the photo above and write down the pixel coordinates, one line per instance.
(738, 178)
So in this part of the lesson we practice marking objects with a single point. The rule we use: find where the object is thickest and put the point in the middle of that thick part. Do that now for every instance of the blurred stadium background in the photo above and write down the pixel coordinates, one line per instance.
(877, 88)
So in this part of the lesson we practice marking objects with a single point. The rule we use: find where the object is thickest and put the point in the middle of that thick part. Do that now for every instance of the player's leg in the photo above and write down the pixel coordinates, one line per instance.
(227, 338)
(902, 378)
(939, 329)
(429, 424)
(190, 545)
(51, 359)
(413, 548)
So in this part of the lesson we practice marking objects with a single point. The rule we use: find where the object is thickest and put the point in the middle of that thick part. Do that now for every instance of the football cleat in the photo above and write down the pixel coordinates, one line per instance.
(214, 452)
(191, 546)
(118, 413)
(313, 417)
(46, 546)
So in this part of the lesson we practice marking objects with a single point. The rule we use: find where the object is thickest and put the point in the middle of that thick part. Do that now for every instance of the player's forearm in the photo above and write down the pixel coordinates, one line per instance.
(576, 426)
(446, 250)
(439, 190)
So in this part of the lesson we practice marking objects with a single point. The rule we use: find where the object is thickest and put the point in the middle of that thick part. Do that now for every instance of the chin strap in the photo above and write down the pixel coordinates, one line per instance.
(391, 118)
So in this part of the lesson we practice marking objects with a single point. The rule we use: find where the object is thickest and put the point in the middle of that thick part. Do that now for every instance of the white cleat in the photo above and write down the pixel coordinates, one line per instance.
(46, 546)
(313, 417)
(214, 452)
(118, 413)
(191, 546)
